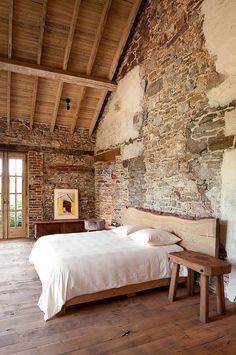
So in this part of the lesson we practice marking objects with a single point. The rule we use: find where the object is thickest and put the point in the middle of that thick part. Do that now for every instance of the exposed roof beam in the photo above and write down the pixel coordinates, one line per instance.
(66, 60)
(10, 18)
(92, 57)
(56, 106)
(56, 74)
(71, 34)
(116, 58)
(39, 55)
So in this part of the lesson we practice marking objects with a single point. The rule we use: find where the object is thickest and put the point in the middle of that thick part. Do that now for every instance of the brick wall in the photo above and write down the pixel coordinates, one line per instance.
(55, 160)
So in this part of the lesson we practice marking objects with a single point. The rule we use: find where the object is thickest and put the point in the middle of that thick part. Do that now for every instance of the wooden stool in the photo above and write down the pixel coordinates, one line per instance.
(206, 266)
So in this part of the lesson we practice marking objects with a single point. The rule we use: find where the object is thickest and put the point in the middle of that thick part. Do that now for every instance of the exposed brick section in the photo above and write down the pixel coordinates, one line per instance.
(55, 160)
(35, 199)
(184, 138)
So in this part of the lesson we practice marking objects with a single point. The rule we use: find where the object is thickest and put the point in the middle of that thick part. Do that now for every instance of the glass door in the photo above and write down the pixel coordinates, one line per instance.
(13, 184)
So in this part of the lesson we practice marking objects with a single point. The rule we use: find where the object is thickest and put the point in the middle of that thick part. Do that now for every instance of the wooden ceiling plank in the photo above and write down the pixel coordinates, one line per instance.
(66, 59)
(92, 57)
(57, 102)
(10, 18)
(56, 74)
(39, 56)
(116, 58)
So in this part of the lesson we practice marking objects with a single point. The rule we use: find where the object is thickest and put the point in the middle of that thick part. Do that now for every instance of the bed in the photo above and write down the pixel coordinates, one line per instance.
(82, 267)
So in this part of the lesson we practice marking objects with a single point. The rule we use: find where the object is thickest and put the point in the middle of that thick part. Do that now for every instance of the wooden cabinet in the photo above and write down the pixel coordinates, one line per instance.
(57, 227)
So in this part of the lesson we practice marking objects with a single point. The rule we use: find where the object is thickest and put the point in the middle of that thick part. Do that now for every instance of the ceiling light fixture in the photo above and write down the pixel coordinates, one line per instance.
(68, 100)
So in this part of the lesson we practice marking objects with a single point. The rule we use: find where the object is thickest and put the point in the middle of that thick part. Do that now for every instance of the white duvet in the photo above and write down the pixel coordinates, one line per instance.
(75, 264)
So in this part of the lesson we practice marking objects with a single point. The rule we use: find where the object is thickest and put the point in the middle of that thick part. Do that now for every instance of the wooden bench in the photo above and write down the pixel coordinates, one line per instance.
(206, 266)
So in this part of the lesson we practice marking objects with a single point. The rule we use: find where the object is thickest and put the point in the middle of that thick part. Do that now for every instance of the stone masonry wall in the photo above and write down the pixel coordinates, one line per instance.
(174, 163)
(178, 136)
(58, 160)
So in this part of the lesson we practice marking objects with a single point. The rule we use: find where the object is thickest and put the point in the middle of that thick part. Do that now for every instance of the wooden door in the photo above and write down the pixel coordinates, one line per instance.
(13, 195)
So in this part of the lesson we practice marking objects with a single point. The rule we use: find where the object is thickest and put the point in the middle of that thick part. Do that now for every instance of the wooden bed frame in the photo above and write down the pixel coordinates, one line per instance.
(199, 235)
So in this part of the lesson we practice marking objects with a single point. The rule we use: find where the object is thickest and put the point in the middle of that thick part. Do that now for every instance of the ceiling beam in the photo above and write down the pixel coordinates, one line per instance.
(66, 60)
(39, 55)
(10, 18)
(116, 58)
(71, 34)
(92, 57)
(56, 74)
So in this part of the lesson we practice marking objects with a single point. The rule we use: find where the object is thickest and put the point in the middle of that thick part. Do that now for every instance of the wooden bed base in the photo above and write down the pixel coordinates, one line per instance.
(197, 234)
(129, 290)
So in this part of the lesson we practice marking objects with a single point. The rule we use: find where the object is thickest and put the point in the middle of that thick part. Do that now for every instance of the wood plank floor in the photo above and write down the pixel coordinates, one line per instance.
(145, 324)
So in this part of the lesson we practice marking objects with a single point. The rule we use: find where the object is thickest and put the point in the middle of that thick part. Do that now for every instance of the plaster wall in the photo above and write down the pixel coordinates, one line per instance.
(123, 121)
(228, 214)
(220, 33)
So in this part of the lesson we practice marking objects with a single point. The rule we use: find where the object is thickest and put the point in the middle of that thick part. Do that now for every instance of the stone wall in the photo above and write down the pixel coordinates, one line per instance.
(181, 127)
(55, 160)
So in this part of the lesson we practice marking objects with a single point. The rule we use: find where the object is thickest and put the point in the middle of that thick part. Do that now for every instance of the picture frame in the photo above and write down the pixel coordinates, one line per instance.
(66, 204)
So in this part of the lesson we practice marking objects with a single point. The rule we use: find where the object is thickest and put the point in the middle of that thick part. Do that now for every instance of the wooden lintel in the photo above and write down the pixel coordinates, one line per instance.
(109, 155)
(32, 69)
(70, 168)
(37, 148)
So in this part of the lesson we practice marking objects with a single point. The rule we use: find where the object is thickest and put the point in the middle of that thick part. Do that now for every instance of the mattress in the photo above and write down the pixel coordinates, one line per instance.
(75, 264)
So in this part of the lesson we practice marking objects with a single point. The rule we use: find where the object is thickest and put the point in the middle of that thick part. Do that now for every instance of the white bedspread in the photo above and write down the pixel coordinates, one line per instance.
(81, 263)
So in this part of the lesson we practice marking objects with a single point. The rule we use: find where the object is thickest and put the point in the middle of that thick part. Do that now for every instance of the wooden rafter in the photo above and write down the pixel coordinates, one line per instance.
(56, 74)
(39, 55)
(65, 60)
(92, 57)
(10, 18)
(116, 58)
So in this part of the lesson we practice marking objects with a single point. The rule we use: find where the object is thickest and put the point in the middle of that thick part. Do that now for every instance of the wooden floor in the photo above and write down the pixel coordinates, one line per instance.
(145, 324)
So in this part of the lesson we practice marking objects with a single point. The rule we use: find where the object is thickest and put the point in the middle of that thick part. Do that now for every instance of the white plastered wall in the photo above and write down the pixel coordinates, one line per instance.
(220, 33)
(123, 119)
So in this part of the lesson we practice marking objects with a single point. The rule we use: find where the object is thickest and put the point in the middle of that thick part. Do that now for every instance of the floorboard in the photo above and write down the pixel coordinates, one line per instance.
(145, 324)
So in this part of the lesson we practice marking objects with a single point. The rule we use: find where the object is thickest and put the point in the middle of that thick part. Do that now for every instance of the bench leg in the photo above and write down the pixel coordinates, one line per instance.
(204, 298)
(173, 282)
(190, 282)
(220, 297)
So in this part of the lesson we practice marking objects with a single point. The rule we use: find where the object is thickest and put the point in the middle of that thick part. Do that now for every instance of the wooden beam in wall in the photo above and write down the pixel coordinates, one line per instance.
(39, 55)
(10, 18)
(56, 74)
(110, 155)
(65, 60)
(116, 58)
(92, 57)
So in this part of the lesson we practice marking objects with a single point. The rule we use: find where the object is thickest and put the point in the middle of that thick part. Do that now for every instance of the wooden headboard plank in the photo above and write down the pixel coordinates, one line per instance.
(199, 235)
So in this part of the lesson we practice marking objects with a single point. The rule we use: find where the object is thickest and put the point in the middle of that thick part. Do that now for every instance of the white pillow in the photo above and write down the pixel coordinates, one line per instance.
(154, 237)
(127, 229)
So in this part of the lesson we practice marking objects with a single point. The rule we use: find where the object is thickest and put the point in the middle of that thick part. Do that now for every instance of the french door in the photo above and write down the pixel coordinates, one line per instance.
(12, 195)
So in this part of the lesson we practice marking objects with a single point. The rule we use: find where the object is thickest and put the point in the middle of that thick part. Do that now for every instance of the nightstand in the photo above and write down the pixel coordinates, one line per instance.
(94, 224)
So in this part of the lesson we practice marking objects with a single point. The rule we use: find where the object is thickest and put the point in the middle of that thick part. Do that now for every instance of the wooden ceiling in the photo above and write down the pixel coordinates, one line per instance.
(51, 50)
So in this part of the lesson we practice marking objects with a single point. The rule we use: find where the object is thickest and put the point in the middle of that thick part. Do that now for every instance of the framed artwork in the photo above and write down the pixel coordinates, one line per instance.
(66, 204)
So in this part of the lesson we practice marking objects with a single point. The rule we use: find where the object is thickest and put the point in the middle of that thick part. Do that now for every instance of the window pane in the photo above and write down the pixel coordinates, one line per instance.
(12, 219)
(12, 166)
(0, 220)
(19, 185)
(19, 219)
(12, 184)
(0, 184)
(0, 166)
(12, 202)
(19, 167)
(0, 202)
(19, 202)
